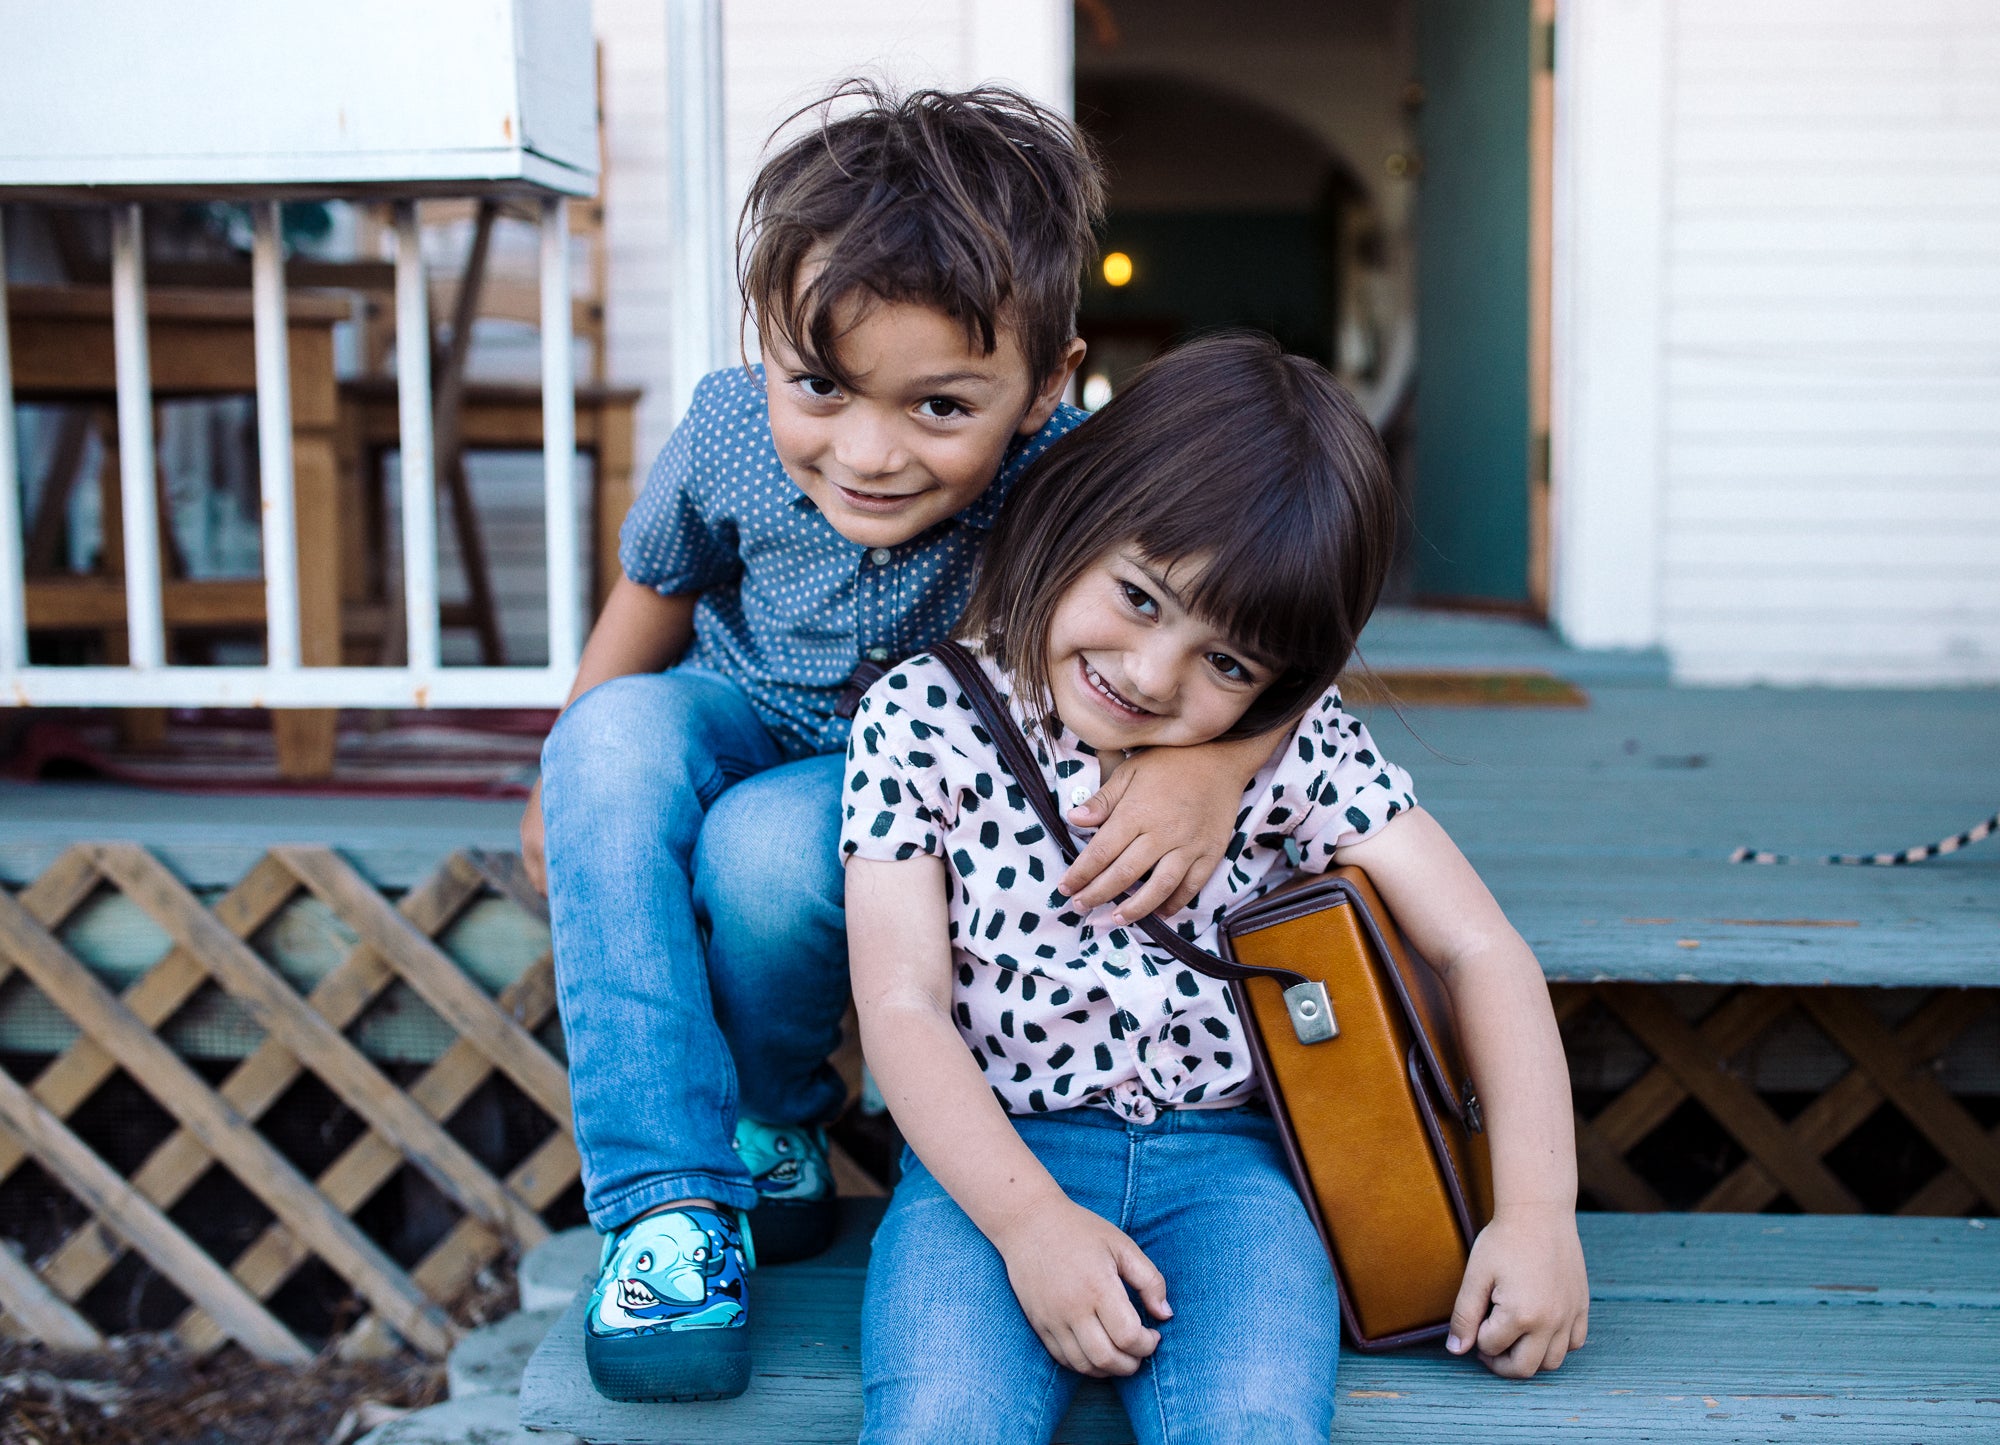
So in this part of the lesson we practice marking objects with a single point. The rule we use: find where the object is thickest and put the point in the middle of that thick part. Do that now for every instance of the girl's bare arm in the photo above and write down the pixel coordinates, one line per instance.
(1068, 1267)
(1525, 1300)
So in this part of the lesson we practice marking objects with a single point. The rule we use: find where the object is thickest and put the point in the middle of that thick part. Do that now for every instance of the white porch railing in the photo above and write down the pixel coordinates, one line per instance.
(298, 102)
(149, 680)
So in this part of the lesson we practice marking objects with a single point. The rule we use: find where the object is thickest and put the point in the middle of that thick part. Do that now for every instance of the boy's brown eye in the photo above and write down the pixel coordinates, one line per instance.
(817, 387)
(939, 408)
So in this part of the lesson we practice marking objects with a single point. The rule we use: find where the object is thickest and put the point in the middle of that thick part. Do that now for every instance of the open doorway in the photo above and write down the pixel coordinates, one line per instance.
(1365, 180)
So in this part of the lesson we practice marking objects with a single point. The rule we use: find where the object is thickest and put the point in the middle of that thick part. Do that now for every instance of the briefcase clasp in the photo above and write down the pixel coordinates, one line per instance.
(1311, 1011)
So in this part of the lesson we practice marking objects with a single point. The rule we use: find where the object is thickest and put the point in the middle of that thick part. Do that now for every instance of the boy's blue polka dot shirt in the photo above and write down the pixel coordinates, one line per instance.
(788, 607)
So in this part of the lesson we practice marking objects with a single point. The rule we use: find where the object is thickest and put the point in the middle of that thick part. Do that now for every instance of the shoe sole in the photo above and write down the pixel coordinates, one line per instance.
(712, 1364)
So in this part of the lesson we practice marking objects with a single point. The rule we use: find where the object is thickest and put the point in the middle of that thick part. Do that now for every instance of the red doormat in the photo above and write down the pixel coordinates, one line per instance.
(471, 754)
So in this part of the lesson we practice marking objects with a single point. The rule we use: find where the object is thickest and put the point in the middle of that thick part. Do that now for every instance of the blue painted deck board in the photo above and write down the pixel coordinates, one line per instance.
(211, 840)
(1703, 1328)
(1581, 820)
(1828, 1259)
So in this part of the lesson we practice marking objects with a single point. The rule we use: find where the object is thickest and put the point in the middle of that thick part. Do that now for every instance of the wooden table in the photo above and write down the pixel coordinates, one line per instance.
(495, 417)
(200, 343)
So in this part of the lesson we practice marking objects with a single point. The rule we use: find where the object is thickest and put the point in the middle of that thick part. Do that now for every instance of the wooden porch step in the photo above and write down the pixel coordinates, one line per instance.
(1703, 1328)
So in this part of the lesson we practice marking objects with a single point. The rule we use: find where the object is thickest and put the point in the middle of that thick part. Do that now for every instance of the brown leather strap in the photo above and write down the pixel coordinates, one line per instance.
(1019, 759)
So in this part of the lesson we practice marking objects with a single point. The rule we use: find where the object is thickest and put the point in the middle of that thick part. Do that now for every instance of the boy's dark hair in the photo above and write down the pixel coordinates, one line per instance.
(1225, 449)
(979, 203)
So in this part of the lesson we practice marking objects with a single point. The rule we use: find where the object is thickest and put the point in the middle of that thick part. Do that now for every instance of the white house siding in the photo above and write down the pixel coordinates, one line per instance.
(638, 310)
(777, 56)
(1829, 494)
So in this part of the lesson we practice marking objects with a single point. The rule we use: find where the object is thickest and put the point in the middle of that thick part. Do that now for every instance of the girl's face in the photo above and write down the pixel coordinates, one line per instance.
(1130, 666)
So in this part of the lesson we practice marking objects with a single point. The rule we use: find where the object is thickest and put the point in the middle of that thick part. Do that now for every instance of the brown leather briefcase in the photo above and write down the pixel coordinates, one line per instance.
(1355, 1046)
(1360, 1063)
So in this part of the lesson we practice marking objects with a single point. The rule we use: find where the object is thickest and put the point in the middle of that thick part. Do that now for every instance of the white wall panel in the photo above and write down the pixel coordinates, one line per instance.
(1608, 308)
(638, 308)
(1831, 398)
(1803, 236)
(1874, 506)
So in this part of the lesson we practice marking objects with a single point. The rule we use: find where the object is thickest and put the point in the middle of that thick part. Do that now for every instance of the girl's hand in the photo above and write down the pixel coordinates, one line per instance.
(1069, 1269)
(1525, 1302)
(1168, 810)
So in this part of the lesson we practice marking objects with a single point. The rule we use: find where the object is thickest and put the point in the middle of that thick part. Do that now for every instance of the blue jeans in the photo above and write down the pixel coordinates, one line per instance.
(1249, 1355)
(695, 898)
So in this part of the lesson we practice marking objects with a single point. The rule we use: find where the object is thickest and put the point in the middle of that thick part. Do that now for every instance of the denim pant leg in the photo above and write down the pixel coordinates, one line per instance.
(769, 888)
(1250, 1356)
(627, 775)
(946, 1353)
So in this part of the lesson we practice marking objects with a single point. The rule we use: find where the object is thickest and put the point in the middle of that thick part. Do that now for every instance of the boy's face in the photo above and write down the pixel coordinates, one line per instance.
(922, 432)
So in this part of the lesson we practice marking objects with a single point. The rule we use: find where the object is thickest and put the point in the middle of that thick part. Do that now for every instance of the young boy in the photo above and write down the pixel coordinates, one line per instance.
(913, 267)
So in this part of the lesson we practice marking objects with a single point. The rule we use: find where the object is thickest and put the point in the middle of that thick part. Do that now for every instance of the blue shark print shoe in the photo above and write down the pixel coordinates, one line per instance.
(796, 1215)
(666, 1320)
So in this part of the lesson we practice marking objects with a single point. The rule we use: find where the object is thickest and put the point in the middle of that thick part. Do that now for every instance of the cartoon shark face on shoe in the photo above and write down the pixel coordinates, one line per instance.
(785, 1162)
(679, 1270)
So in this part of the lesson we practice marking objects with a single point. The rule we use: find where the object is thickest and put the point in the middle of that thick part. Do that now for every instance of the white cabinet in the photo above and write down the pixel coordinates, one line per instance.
(456, 95)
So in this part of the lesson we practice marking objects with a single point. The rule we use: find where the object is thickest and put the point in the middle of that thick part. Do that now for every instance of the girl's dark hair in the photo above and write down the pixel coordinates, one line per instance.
(1224, 449)
(979, 203)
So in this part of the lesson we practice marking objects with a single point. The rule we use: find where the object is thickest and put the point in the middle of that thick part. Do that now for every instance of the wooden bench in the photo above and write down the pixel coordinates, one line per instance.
(1703, 1328)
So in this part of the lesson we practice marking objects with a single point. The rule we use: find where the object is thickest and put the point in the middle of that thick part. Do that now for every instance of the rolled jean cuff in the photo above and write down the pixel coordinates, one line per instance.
(729, 1193)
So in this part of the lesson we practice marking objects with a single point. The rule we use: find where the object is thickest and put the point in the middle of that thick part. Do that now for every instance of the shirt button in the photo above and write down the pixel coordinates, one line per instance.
(880, 556)
(1123, 960)
(1078, 794)
(878, 654)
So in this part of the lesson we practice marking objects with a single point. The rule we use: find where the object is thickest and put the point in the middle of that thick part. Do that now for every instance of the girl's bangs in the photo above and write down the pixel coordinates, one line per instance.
(1270, 579)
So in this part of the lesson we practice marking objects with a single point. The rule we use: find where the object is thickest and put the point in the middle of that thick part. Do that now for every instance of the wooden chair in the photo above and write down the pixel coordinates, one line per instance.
(474, 415)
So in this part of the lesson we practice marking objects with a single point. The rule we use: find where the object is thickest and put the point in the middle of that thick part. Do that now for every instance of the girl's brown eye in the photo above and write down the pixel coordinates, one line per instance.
(1229, 667)
(1138, 599)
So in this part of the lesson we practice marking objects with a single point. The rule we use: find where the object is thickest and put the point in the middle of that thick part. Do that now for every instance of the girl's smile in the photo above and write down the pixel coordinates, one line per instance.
(1130, 666)
(1115, 702)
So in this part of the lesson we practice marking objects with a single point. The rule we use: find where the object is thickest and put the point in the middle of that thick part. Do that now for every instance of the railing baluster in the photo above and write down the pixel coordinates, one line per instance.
(138, 494)
(274, 440)
(413, 385)
(146, 679)
(559, 440)
(13, 607)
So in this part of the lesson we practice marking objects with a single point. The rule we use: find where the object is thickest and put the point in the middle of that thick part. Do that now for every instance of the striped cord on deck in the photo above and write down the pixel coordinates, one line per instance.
(1883, 860)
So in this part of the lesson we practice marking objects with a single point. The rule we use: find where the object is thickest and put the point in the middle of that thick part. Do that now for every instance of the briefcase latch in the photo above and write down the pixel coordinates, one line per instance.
(1311, 1011)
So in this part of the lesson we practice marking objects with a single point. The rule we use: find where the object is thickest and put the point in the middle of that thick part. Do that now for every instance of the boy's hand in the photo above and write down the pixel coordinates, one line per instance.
(1069, 1269)
(532, 850)
(1168, 810)
(1525, 1302)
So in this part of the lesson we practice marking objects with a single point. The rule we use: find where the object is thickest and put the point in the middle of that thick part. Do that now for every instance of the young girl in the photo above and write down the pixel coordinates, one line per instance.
(1083, 1120)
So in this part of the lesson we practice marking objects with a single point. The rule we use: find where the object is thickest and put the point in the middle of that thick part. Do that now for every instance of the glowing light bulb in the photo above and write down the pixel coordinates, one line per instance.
(1117, 269)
